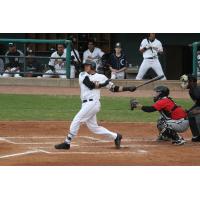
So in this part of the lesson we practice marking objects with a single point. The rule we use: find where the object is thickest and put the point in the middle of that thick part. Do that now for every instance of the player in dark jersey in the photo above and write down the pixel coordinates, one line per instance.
(190, 82)
(173, 119)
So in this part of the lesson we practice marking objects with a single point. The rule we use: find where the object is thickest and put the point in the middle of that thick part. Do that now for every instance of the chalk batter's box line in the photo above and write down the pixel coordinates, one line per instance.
(30, 152)
(41, 149)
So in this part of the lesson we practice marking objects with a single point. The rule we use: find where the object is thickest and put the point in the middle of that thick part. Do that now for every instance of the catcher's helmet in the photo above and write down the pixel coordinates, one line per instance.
(162, 91)
(91, 63)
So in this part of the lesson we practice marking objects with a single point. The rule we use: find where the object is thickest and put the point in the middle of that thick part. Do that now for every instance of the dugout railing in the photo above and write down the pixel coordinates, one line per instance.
(195, 64)
(67, 61)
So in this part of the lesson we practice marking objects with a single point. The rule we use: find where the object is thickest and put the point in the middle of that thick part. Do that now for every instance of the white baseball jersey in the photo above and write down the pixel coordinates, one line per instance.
(86, 93)
(72, 54)
(151, 52)
(57, 60)
(59, 63)
(96, 54)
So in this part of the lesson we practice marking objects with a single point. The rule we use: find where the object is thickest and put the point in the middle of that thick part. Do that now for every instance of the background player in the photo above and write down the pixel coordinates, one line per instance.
(118, 63)
(57, 63)
(190, 82)
(150, 48)
(173, 118)
(90, 84)
(13, 64)
(93, 54)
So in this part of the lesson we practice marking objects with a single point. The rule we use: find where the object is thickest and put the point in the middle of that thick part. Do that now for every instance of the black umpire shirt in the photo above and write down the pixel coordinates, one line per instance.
(195, 95)
(117, 62)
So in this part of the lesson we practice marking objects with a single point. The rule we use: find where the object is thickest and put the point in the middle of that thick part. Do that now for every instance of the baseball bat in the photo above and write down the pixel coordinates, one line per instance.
(150, 81)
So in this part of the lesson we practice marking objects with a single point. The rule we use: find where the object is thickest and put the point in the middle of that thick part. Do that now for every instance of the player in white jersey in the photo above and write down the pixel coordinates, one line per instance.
(93, 54)
(57, 63)
(150, 47)
(90, 83)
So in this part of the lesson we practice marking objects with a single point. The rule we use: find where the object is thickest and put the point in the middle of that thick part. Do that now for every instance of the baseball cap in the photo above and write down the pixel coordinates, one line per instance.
(11, 44)
(118, 45)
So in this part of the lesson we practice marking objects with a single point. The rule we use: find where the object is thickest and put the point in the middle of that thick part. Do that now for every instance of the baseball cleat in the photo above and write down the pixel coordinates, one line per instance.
(118, 141)
(180, 141)
(196, 139)
(63, 145)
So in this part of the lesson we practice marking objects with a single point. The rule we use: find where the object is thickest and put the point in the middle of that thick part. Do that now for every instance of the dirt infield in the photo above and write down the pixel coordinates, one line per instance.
(76, 91)
(32, 143)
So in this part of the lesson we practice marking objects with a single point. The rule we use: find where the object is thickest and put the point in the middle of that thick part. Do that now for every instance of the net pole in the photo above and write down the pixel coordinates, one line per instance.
(68, 59)
(194, 58)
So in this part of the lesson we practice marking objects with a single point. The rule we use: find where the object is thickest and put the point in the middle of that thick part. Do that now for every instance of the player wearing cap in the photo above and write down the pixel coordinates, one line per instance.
(150, 48)
(57, 63)
(118, 63)
(90, 84)
(13, 64)
(93, 54)
(173, 119)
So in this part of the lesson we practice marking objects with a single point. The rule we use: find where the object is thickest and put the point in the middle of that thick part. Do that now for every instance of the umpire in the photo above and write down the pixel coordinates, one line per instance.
(190, 82)
(118, 63)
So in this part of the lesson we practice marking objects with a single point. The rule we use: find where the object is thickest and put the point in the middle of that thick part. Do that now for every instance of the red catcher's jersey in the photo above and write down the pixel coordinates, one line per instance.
(169, 108)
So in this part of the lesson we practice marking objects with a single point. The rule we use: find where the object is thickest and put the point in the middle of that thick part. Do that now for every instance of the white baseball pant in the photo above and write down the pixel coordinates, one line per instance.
(146, 65)
(87, 115)
(11, 75)
(49, 73)
(118, 75)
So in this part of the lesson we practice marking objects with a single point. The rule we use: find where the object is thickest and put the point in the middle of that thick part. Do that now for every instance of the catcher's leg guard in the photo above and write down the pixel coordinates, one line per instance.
(176, 139)
(162, 126)
(194, 121)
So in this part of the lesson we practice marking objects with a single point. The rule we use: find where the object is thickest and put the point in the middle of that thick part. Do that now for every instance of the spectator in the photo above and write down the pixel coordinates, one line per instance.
(93, 54)
(118, 63)
(13, 64)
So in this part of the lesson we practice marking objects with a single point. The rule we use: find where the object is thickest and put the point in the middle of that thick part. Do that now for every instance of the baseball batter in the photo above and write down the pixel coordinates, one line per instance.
(90, 84)
(150, 48)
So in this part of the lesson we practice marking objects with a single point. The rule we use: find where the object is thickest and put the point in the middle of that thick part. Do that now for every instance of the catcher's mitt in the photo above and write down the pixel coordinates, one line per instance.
(133, 103)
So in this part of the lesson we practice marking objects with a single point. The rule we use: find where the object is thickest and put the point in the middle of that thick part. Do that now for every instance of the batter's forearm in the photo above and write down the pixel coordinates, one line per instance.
(116, 88)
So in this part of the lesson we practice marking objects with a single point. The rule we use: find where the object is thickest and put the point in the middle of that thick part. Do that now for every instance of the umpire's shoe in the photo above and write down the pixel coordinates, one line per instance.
(118, 141)
(63, 145)
(196, 139)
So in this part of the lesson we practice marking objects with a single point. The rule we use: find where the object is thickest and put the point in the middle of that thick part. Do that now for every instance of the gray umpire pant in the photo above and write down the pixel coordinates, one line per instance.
(194, 120)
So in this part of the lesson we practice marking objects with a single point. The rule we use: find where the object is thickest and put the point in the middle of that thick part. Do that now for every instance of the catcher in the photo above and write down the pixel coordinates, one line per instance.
(190, 82)
(173, 119)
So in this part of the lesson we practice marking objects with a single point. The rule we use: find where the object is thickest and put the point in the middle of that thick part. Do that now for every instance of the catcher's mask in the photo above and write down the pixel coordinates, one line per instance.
(186, 80)
(160, 92)
(91, 63)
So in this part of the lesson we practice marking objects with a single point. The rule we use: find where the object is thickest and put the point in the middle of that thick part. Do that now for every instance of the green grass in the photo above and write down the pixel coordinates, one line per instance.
(44, 107)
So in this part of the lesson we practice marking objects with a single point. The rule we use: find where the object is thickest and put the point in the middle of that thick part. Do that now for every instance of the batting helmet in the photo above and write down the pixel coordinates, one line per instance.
(91, 63)
(162, 91)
